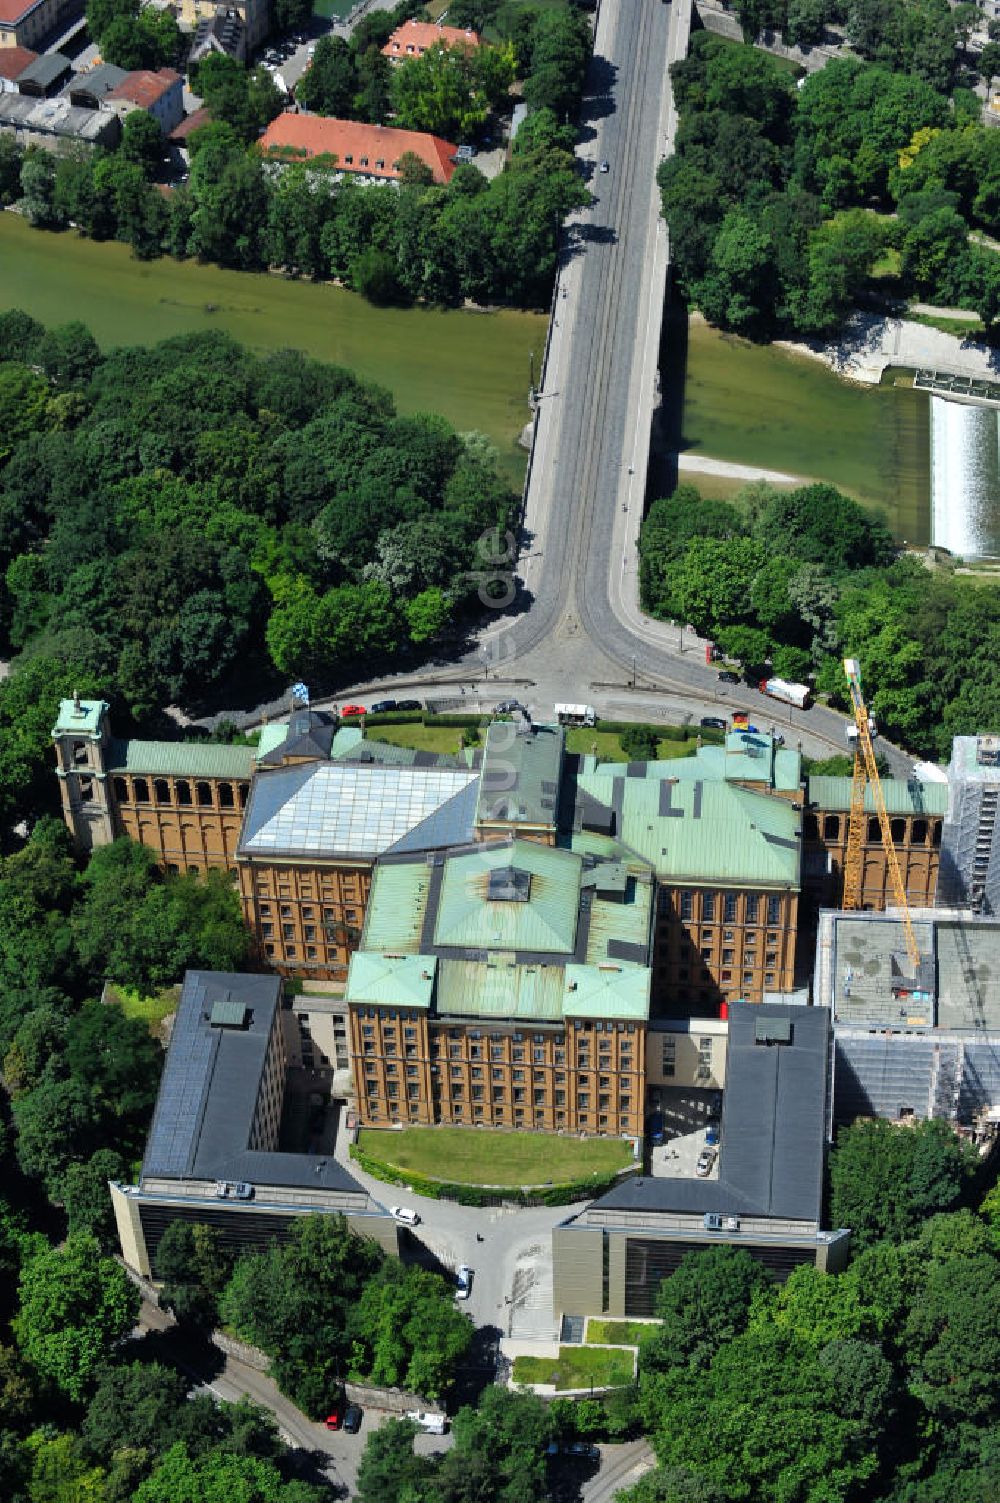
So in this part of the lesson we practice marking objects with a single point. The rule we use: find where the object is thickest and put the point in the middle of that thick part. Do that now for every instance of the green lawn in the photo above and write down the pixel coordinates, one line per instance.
(331, 8)
(150, 1010)
(464, 1155)
(578, 1367)
(472, 368)
(618, 1332)
(434, 738)
(606, 745)
(958, 326)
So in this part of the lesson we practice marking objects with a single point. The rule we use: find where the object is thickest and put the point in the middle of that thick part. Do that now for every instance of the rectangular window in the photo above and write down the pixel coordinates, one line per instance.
(729, 908)
(727, 957)
(708, 907)
(752, 905)
(774, 910)
(687, 905)
(583, 1100)
(518, 1074)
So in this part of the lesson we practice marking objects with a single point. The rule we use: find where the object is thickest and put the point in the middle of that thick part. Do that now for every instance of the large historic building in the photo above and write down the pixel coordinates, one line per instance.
(724, 851)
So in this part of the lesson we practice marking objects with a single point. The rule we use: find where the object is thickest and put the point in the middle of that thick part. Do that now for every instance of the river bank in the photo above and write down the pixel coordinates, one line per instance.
(870, 345)
(473, 369)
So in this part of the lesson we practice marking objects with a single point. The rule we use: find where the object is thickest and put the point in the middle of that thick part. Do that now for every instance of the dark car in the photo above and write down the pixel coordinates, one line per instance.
(725, 677)
(353, 1415)
(383, 706)
(714, 723)
(655, 1128)
(508, 706)
(409, 704)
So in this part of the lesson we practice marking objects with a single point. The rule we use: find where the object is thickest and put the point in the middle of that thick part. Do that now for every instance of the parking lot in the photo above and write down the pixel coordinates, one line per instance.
(688, 1115)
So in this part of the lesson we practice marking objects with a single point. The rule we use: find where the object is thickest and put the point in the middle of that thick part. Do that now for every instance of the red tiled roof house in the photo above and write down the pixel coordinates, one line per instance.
(370, 151)
(159, 93)
(413, 38)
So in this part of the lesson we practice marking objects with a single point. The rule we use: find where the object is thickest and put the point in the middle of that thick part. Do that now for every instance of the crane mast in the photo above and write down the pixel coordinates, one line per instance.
(866, 775)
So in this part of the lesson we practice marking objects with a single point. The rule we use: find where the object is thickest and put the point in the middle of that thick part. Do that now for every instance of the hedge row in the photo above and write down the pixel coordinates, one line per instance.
(483, 1195)
(672, 732)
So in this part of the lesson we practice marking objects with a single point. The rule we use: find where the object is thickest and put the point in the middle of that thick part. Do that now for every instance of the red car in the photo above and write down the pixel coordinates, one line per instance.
(335, 1420)
(353, 710)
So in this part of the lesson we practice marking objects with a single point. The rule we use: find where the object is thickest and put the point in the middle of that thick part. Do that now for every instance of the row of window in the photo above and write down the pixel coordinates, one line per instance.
(604, 1122)
(179, 795)
(835, 828)
(725, 906)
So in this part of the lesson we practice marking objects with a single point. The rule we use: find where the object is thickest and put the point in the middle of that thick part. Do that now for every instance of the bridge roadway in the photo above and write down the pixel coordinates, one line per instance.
(578, 620)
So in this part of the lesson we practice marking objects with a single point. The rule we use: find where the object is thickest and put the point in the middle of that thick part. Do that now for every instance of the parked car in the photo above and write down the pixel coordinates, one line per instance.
(715, 1106)
(714, 723)
(433, 1424)
(353, 710)
(654, 1128)
(409, 704)
(463, 1281)
(353, 1415)
(726, 677)
(604, 167)
(712, 1137)
(705, 1161)
(383, 706)
(335, 1418)
(404, 1215)
(508, 706)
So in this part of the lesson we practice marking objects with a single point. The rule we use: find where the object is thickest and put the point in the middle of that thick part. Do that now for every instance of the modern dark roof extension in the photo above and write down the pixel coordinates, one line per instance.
(773, 1125)
(208, 1092)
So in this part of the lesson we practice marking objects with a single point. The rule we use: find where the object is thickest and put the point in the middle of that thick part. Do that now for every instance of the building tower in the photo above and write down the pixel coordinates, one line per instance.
(81, 735)
(969, 876)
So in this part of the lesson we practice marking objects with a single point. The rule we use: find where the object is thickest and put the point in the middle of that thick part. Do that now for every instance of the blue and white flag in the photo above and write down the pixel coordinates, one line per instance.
(300, 693)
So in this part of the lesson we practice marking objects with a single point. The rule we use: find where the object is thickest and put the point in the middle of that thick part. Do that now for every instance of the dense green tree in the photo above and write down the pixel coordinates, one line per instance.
(135, 1404)
(499, 1451)
(389, 1471)
(142, 141)
(702, 1306)
(38, 190)
(819, 525)
(85, 1195)
(74, 1305)
(413, 1333)
(886, 1178)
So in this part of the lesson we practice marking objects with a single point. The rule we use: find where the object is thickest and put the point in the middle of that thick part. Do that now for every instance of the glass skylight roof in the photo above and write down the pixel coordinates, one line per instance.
(344, 808)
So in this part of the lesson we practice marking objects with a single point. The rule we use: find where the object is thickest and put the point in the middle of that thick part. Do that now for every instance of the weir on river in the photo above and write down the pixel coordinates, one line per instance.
(965, 478)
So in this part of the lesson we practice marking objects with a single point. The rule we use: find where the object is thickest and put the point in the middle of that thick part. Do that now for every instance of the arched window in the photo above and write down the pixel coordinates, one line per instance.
(86, 790)
(811, 827)
(183, 790)
(141, 790)
(897, 829)
(121, 790)
(874, 833)
(79, 753)
(225, 795)
(244, 790)
(937, 833)
(918, 832)
(831, 827)
(161, 791)
(204, 793)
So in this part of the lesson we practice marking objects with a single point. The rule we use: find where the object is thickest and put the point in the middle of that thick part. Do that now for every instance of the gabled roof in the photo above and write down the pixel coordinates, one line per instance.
(414, 37)
(696, 830)
(337, 808)
(521, 773)
(12, 12)
(308, 736)
(902, 796)
(374, 150)
(14, 60)
(182, 759)
(143, 87)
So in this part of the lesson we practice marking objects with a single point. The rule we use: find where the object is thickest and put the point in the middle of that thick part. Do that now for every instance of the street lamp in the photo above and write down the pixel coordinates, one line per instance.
(633, 670)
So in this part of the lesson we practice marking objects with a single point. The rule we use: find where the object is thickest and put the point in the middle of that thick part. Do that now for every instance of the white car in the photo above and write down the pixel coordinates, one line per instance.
(433, 1424)
(404, 1215)
(463, 1281)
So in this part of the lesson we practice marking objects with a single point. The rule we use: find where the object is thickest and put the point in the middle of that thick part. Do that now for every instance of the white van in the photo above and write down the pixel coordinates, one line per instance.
(431, 1424)
(576, 714)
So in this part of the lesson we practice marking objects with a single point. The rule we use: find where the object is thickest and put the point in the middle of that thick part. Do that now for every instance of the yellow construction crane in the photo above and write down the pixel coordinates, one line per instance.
(866, 775)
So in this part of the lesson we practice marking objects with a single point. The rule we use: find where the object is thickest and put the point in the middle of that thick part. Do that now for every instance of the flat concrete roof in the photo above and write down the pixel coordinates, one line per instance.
(855, 970)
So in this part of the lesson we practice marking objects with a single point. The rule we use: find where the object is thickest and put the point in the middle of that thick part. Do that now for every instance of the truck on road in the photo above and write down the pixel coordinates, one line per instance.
(789, 694)
(576, 714)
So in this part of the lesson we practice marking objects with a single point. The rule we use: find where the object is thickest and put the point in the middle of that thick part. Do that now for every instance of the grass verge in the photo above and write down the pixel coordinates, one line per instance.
(578, 1367)
(433, 738)
(150, 1010)
(463, 1155)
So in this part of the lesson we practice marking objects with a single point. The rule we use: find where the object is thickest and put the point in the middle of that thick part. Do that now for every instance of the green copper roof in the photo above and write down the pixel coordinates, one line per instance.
(746, 757)
(696, 830)
(182, 759)
(901, 797)
(271, 736)
(592, 991)
(519, 783)
(497, 988)
(616, 924)
(543, 918)
(397, 903)
(85, 721)
(390, 980)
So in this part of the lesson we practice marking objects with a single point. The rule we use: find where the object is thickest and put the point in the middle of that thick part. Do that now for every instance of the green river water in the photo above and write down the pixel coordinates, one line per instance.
(757, 405)
(473, 368)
